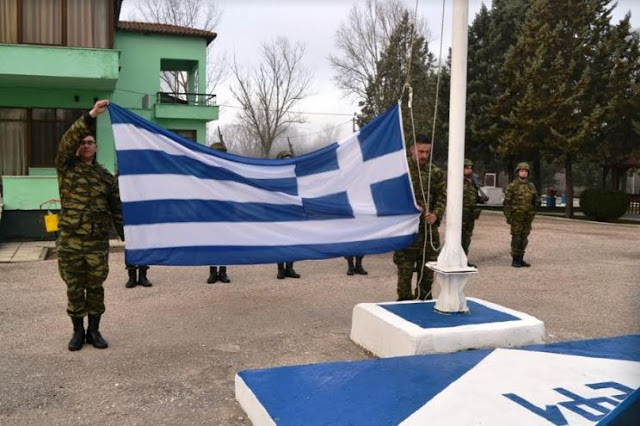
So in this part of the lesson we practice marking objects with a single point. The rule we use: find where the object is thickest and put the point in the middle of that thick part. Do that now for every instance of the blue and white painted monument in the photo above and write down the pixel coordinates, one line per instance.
(574, 383)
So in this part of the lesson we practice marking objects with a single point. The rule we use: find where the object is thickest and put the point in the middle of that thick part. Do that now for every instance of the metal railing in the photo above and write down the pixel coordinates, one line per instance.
(177, 98)
(634, 203)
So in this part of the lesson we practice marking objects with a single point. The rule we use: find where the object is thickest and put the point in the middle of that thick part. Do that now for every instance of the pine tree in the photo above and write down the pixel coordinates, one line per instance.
(387, 86)
(491, 35)
(553, 77)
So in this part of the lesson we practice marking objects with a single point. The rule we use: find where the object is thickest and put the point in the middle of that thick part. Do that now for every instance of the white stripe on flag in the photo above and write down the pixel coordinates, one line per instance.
(185, 187)
(268, 233)
(129, 137)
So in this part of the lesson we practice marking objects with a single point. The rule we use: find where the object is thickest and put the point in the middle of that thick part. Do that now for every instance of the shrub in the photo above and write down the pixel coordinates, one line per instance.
(603, 205)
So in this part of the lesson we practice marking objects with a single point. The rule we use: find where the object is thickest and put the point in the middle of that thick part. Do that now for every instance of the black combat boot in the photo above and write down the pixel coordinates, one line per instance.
(516, 262)
(213, 275)
(77, 340)
(281, 272)
(132, 277)
(290, 272)
(223, 275)
(523, 263)
(93, 333)
(359, 269)
(350, 269)
(142, 276)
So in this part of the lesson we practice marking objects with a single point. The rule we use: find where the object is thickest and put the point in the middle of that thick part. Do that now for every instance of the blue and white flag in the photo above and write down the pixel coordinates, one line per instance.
(187, 204)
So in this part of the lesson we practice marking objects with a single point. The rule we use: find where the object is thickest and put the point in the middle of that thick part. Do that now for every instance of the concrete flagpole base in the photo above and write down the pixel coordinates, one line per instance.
(410, 328)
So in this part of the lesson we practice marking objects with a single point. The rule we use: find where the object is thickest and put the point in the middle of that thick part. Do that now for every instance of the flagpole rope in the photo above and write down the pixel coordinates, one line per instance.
(426, 199)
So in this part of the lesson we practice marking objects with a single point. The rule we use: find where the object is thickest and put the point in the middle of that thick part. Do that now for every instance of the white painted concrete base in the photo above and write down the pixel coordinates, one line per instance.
(250, 404)
(387, 334)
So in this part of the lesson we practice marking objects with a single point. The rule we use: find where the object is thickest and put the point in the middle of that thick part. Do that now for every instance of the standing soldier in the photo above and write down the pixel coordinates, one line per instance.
(355, 268)
(470, 212)
(428, 187)
(214, 274)
(137, 276)
(285, 270)
(90, 203)
(520, 202)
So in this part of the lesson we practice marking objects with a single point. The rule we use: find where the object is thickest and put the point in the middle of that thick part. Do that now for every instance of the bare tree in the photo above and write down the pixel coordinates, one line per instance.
(268, 93)
(200, 14)
(361, 40)
(239, 140)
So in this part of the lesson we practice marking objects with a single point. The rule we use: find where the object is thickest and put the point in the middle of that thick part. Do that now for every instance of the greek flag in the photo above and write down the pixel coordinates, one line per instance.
(187, 204)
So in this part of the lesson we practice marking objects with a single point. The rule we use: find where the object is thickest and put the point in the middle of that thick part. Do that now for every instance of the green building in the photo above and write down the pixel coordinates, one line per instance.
(56, 58)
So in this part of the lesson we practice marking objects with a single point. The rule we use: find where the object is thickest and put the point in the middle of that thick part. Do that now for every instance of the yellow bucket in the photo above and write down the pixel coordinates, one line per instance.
(51, 221)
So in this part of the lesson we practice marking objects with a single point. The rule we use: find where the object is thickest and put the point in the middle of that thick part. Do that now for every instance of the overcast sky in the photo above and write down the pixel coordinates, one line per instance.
(245, 24)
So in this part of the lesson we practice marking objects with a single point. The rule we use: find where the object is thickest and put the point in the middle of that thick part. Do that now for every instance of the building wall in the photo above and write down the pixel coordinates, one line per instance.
(140, 57)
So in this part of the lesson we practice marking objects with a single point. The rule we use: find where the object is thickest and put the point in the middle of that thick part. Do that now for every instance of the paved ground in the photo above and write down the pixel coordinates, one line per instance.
(175, 347)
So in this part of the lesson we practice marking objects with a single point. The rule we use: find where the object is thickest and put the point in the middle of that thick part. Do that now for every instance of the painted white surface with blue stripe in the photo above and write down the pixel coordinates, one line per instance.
(566, 383)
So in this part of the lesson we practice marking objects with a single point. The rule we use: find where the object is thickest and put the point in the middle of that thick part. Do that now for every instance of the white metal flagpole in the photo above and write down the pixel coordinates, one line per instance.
(451, 268)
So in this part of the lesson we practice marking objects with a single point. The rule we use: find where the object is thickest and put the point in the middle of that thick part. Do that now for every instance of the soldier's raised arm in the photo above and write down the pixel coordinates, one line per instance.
(71, 139)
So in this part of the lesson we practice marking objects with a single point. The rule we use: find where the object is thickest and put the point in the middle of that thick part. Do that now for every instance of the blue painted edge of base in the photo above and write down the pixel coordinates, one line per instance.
(627, 413)
(626, 347)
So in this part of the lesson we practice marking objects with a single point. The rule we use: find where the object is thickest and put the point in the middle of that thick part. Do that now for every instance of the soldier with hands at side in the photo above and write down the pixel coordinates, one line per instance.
(216, 275)
(285, 269)
(520, 203)
(470, 211)
(90, 205)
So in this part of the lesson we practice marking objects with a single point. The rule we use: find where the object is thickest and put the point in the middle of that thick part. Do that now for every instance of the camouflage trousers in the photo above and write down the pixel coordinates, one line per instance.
(467, 232)
(84, 266)
(410, 259)
(520, 230)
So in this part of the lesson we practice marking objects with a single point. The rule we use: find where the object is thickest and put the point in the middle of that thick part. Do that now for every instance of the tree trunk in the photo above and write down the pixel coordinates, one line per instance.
(537, 173)
(568, 172)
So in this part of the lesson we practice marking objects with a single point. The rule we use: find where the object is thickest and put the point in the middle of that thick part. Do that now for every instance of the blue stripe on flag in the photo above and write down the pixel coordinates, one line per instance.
(393, 196)
(334, 206)
(150, 162)
(242, 255)
(382, 135)
(183, 211)
(323, 160)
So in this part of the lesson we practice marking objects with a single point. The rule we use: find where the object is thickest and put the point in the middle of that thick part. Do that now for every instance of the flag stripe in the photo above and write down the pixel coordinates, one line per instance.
(131, 138)
(182, 187)
(269, 234)
(239, 255)
(150, 162)
(177, 211)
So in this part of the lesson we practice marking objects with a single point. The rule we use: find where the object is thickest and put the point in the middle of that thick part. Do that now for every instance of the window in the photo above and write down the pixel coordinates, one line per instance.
(8, 21)
(82, 23)
(192, 135)
(30, 137)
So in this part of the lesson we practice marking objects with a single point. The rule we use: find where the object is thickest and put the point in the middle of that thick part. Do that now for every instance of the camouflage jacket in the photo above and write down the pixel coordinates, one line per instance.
(520, 197)
(470, 197)
(88, 192)
(437, 196)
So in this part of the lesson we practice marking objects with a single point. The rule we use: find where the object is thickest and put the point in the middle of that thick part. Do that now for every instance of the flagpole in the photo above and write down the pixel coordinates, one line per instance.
(451, 267)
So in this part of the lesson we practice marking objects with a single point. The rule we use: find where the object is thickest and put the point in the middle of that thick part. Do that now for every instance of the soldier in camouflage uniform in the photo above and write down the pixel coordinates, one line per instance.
(285, 270)
(355, 267)
(214, 274)
(520, 202)
(470, 212)
(90, 204)
(418, 253)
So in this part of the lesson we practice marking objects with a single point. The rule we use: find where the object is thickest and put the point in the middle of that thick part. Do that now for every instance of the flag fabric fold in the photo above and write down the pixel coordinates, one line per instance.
(187, 204)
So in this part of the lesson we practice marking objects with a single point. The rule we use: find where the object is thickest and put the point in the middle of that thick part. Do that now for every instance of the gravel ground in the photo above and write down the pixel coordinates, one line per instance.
(174, 348)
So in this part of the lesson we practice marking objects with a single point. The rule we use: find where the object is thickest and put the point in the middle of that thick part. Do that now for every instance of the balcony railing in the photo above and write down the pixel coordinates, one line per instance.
(176, 98)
